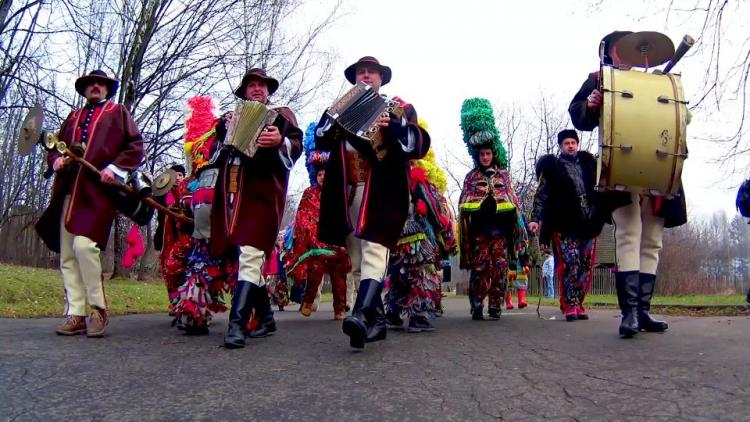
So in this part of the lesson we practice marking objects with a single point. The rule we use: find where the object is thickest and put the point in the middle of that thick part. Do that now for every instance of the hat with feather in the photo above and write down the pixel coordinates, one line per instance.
(314, 159)
(480, 131)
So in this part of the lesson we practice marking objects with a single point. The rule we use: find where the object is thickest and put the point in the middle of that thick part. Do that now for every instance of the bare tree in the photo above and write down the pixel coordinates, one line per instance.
(163, 51)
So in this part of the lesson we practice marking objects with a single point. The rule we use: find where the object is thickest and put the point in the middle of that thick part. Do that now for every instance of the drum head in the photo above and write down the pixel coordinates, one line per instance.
(164, 182)
(645, 49)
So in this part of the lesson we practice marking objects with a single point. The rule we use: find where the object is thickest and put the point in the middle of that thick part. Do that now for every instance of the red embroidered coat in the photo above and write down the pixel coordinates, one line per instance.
(113, 139)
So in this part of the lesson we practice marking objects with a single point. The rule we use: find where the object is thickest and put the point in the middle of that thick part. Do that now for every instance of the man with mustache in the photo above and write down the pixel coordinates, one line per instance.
(79, 217)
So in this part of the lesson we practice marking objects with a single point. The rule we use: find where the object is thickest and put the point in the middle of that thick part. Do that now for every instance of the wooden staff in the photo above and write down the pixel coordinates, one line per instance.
(63, 149)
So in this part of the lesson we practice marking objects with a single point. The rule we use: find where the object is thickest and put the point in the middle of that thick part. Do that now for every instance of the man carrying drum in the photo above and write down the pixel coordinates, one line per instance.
(248, 206)
(639, 218)
(79, 217)
(365, 201)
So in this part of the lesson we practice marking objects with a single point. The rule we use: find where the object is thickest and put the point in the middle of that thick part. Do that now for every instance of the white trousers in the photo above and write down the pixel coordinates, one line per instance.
(638, 235)
(369, 259)
(81, 270)
(251, 261)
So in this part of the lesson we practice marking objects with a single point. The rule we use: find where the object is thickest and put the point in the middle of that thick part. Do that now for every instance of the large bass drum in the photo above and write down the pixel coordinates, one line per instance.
(641, 132)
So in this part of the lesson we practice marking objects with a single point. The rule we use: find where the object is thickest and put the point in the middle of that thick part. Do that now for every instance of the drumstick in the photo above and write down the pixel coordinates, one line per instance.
(685, 44)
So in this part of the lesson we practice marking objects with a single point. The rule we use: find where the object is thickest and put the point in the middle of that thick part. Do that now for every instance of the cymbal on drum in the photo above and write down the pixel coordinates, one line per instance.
(645, 49)
(164, 182)
(31, 128)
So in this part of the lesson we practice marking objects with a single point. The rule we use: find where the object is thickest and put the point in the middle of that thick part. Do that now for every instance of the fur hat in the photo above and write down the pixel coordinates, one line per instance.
(567, 133)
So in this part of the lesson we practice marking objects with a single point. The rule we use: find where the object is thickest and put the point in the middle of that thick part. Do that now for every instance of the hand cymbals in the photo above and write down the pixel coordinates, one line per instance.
(31, 128)
(164, 182)
(645, 49)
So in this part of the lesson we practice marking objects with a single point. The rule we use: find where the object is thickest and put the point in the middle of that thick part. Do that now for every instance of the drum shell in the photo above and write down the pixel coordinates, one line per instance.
(642, 139)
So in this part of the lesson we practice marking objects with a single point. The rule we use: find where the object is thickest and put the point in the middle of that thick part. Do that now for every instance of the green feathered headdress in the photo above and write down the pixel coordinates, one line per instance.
(478, 125)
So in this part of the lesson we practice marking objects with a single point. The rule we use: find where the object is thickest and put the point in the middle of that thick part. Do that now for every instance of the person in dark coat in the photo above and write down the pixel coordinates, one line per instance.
(565, 212)
(639, 219)
(365, 201)
(79, 218)
(248, 206)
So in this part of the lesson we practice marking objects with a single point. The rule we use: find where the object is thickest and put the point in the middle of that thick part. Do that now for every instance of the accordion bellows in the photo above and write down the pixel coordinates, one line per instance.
(250, 118)
(358, 111)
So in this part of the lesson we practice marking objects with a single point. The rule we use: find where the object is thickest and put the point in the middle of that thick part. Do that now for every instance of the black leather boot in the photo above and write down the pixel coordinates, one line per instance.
(646, 291)
(357, 325)
(627, 284)
(264, 313)
(375, 318)
(239, 315)
(419, 324)
(494, 313)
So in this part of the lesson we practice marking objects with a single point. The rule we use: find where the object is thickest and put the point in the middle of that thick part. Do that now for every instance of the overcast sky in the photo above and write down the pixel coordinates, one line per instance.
(511, 52)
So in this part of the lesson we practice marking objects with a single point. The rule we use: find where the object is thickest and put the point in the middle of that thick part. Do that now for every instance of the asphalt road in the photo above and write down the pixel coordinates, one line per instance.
(518, 368)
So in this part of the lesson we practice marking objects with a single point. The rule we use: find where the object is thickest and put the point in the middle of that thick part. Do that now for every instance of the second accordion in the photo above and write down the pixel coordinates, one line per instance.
(358, 112)
(248, 121)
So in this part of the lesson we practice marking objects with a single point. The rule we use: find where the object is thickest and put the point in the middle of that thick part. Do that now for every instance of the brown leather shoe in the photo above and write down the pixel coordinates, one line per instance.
(307, 309)
(97, 322)
(72, 325)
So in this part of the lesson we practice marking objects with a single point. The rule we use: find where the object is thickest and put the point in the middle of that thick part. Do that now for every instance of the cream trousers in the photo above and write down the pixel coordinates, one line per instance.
(81, 270)
(369, 259)
(638, 235)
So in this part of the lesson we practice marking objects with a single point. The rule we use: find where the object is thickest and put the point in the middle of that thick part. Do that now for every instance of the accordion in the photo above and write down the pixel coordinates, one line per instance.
(250, 118)
(358, 111)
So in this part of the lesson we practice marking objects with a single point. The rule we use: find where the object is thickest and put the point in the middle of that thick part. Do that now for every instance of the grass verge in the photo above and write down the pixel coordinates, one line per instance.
(32, 292)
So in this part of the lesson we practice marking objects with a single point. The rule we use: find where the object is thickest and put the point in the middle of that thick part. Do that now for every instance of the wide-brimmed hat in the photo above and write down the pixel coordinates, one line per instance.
(608, 41)
(256, 73)
(97, 75)
(351, 71)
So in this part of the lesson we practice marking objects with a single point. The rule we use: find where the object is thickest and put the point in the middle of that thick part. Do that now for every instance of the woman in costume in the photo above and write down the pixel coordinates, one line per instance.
(414, 275)
(310, 259)
(493, 235)
(206, 277)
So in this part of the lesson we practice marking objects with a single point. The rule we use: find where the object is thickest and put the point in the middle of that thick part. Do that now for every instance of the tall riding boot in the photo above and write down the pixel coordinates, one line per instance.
(242, 306)
(522, 299)
(376, 322)
(264, 313)
(509, 299)
(645, 322)
(627, 284)
(360, 325)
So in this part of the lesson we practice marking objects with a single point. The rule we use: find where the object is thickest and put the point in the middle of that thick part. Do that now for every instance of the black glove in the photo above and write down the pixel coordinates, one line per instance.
(398, 129)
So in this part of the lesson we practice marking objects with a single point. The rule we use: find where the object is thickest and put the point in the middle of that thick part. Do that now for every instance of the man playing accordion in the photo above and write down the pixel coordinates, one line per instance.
(248, 206)
(365, 197)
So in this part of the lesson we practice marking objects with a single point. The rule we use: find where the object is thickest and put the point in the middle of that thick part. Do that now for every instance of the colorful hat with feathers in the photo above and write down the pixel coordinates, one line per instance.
(314, 159)
(480, 131)
(200, 130)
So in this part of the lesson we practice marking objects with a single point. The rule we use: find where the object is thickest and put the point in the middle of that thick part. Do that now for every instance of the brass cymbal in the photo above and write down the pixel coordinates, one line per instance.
(164, 182)
(31, 128)
(645, 49)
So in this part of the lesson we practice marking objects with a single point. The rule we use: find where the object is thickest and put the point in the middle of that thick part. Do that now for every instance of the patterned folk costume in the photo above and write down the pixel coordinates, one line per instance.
(493, 237)
(207, 277)
(310, 259)
(565, 205)
(414, 269)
